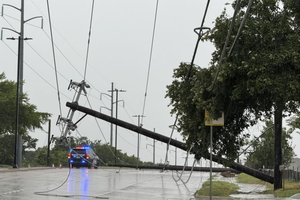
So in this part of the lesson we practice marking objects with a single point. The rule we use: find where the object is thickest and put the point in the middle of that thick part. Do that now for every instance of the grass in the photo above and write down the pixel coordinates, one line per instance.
(5, 166)
(220, 188)
(245, 178)
(224, 189)
(290, 188)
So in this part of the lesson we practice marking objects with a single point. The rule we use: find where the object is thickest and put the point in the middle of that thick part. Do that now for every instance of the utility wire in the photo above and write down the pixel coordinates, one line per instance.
(198, 40)
(191, 65)
(103, 77)
(53, 53)
(33, 69)
(104, 136)
(89, 38)
(241, 26)
(150, 59)
(228, 36)
(65, 55)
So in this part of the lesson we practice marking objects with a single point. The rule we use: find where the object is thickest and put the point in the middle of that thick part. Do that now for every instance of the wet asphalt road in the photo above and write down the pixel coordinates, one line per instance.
(102, 183)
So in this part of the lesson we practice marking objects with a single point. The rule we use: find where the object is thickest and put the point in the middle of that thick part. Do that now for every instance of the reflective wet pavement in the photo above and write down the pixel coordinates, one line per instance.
(104, 183)
(112, 183)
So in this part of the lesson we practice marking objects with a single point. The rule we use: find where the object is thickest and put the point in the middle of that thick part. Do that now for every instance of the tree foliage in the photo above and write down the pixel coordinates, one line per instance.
(29, 120)
(262, 154)
(258, 79)
(59, 154)
(294, 123)
(7, 149)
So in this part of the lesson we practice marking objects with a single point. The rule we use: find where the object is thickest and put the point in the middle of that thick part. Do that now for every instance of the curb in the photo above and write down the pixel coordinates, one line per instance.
(23, 169)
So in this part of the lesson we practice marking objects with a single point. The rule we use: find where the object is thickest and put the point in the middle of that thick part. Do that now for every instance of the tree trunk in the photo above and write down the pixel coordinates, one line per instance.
(277, 148)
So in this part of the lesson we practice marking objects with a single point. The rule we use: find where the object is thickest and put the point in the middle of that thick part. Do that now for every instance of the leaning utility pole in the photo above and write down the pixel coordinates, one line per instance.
(67, 122)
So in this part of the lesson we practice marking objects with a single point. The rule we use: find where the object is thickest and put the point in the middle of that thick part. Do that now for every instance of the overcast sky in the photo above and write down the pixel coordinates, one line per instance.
(119, 52)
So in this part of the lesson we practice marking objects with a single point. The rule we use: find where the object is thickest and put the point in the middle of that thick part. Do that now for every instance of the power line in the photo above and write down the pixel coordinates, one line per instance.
(150, 59)
(192, 63)
(54, 60)
(226, 43)
(88, 46)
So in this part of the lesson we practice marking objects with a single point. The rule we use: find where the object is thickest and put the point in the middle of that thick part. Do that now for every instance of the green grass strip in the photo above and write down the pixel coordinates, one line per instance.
(289, 187)
(219, 188)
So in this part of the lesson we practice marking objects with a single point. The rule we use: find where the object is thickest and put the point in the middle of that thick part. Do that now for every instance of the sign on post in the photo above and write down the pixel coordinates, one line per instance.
(209, 121)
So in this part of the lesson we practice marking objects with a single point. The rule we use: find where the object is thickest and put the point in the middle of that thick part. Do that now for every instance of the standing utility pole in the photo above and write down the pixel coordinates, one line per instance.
(15, 165)
(116, 130)
(138, 140)
(154, 149)
(111, 110)
(18, 139)
(111, 113)
(48, 148)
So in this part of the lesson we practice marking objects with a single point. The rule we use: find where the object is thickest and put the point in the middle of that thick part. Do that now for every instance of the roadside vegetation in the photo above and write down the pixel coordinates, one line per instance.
(225, 189)
(289, 187)
(59, 154)
(220, 189)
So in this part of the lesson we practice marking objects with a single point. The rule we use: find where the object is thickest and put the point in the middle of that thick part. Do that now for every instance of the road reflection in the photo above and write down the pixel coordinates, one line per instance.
(79, 182)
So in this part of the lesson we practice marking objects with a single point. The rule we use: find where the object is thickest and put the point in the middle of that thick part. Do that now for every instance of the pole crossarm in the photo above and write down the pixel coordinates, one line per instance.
(172, 142)
(3, 28)
(10, 6)
(32, 18)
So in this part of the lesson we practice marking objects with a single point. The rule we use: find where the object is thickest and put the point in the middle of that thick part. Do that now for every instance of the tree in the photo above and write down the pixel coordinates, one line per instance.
(29, 158)
(294, 122)
(263, 148)
(59, 154)
(259, 79)
(40, 158)
(7, 149)
(7, 146)
(29, 119)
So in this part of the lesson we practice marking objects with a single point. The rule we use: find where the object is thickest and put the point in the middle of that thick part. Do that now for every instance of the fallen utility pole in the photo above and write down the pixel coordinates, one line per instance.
(165, 139)
(176, 167)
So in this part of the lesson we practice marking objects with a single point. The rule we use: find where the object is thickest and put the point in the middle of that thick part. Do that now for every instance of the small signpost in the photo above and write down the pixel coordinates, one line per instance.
(209, 121)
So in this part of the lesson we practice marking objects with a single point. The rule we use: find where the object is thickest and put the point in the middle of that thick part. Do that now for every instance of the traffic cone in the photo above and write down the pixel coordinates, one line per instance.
(93, 167)
(60, 166)
(53, 165)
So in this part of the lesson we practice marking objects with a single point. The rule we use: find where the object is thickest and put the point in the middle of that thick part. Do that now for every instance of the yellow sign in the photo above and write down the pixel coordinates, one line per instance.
(214, 122)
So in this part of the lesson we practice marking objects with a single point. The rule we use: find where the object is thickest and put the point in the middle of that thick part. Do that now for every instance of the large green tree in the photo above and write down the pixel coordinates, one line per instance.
(260, 78)
(262, 151)
(29, 119)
